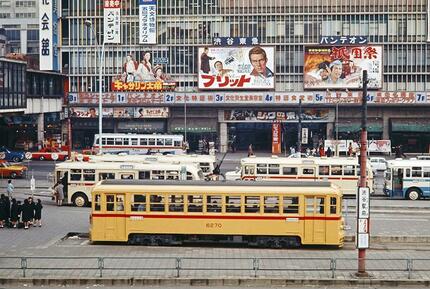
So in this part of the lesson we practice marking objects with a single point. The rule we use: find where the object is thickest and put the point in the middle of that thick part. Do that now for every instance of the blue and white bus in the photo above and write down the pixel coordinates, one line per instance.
(407, 179)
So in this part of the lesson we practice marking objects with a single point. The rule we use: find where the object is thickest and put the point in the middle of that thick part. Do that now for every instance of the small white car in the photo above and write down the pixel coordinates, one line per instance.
(378, 164)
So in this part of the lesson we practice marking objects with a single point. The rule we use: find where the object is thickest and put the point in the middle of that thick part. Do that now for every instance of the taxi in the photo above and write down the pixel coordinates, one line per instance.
(12, 171)
(46, 153)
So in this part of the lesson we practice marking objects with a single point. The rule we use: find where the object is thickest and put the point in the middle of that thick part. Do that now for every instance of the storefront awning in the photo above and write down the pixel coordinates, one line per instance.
(410, 125)
(356, 127)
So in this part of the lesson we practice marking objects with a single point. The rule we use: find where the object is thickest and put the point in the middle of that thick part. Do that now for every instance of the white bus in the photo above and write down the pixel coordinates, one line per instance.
(344, 172)
(79, 178)
(140, 143)
(207, 163)
(407, 179)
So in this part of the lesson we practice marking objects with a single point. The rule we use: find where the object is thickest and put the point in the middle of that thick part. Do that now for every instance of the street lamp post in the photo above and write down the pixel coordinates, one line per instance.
(337, 127)
(89, 24)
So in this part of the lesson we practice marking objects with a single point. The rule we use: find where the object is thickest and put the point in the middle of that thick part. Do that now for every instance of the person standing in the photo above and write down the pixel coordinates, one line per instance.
(204, 61)
(14, 213)
(32, 207)
(38, 213)
(2, 210)
(59, 190)
(27, 213)
(250, 150)
(9, 189)
(328, 153)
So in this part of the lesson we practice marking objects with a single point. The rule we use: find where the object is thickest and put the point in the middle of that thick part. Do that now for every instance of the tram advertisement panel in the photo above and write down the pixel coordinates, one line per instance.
(342, 66)
(236, 68)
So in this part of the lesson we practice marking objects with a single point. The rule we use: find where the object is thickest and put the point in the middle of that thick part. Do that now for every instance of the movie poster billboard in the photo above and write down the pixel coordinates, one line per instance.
(236, 68)
(342, 67)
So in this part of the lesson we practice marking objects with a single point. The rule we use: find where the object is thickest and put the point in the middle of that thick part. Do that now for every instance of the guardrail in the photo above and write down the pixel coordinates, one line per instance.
(200, 267)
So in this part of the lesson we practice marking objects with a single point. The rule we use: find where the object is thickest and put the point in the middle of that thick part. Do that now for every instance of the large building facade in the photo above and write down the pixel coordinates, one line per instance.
(398, 109)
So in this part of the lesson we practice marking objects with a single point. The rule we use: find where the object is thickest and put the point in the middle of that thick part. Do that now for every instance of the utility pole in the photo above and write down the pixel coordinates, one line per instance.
(363, 195)
(299, 130)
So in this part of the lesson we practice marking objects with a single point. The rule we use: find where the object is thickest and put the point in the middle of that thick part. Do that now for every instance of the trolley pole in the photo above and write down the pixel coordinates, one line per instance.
(363, 195)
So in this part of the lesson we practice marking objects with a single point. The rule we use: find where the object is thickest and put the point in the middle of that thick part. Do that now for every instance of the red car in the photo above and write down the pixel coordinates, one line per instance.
(8, 170)
(47, 152)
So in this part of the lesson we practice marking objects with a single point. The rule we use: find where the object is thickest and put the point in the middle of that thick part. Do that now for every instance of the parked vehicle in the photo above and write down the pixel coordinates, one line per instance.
(9, 155)
(378, 164)
(423, 158)
(8, 170)
(47, 152)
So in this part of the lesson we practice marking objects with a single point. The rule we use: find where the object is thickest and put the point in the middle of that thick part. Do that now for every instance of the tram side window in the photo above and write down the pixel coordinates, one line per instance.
(271, 204)
(232, 204)
(324, 170)
(273, 169)
(90, 175)
(320, 205)
(190, 176)
(176, 203)
(249, 170)
(168, 142)
(172, 175)
(126, 177)
(417, 172)
(291, 205)
(195, 204)
(134, 142)
(156, 203)
(308, 171)
(213, 204)
(75, 174)
(178, 143)
(139, 203)
(126, 141)
(333, 205)
(144, 175)
(110, 203)
(104, 141)
(157, 175)
(252, 204)
(160, 142)
(289, 171)
(118, 141)
(205, 167)
(119, 203)
(262, 169)
(151, 141)
(110, 141)
(348, 170)
(143, 141)
(336, 170)
(106, 176)
(97, 202)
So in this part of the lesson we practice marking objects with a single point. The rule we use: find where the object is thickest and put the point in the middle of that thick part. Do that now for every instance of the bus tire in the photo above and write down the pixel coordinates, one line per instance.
(413, 194)
(80, 200)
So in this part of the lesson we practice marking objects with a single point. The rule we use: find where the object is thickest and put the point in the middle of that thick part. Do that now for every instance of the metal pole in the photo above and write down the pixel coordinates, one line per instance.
(299, 130)
(363, 165)
(337, 129)
(102, 53)
(69, 136)
(185, 116)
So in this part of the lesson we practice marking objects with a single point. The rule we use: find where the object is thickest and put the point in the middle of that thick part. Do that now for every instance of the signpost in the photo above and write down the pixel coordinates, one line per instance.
(32, 185)
(28, 157)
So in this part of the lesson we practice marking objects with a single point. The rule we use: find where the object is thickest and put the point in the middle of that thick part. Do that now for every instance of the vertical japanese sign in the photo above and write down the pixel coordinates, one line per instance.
(112, 21)
(147, 21)
(363, 214)
(48, 54)
(305, 135)
(428, 20)
(276, 138)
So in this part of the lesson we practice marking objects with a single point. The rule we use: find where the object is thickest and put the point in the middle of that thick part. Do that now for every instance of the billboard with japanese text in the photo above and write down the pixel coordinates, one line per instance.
(48, 35)
(328, 67)
(112, 21)
(147, 22)
(236, 67)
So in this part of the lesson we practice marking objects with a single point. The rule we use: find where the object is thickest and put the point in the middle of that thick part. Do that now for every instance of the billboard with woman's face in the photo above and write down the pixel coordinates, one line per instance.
(342, 67)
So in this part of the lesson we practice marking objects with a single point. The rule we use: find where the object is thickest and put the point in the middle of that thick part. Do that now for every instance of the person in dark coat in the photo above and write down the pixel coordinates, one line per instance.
(204, 60)
(38, 213)
(27, 213)
(15, 212)
(7, 208)
(2, 210)
(33, 207)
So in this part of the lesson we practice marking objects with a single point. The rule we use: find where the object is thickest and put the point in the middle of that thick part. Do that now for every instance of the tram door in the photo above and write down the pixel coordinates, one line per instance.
(314, 220)
(397, 184)
(115, 224)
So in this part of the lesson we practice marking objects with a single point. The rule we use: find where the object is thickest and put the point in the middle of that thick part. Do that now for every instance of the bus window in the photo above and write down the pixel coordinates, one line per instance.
(106, 176)
(252, 204)
(139, 203)
(172, 175)
(324, 170)
(157, 175)
(262, 169)
(271, 204)
(144, 175)
(348, 170)
(408, 173)
(118, 141)
(90, 175)
(143, 141)
(426, 172)
(151, 141)
(291, 205)
(308, 171)
(189, 176)
(289, 171)
(195, 203)
(176, 203)
(160, 142)
(417, 172)
(119, 203)
(156, 203)
(232, 204)
(110, 141)
(110, 203)
(249, 170)
(75, 174)
(336, 170)
(213, 204)
(126, 176)
(273, 169)
(97, 202)
(333, 205)
(134, 142)
(168, 142)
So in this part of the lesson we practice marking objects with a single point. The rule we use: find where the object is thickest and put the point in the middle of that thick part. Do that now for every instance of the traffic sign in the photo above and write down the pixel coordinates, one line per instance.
(80, 157)
(2, 156)
(54, 156)
(28, 155)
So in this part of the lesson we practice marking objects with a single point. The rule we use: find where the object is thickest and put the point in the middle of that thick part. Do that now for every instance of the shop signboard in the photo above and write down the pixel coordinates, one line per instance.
(341, 67)
(233, 68)
(276, 138)
(151, 112)
(48, 53)
(147, 22)
(243, 115)
(112, 21)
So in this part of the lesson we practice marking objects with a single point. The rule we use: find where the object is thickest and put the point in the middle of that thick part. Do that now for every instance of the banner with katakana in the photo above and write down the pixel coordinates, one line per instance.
(112, 21)
(235, 68)
(147, 22)
(327, 67)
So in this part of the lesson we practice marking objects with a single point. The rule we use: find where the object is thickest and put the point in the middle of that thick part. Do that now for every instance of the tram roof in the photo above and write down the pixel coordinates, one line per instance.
(300, 161)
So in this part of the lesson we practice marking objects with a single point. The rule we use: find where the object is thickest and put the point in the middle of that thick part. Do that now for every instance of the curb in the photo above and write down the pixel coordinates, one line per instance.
(260, 282)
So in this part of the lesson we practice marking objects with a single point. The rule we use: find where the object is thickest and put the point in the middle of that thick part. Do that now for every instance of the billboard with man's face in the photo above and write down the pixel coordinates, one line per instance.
(236, 67)
(342, 66)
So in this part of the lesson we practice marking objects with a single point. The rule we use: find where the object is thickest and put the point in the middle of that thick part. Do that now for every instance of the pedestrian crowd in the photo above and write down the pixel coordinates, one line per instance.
(15, 214)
